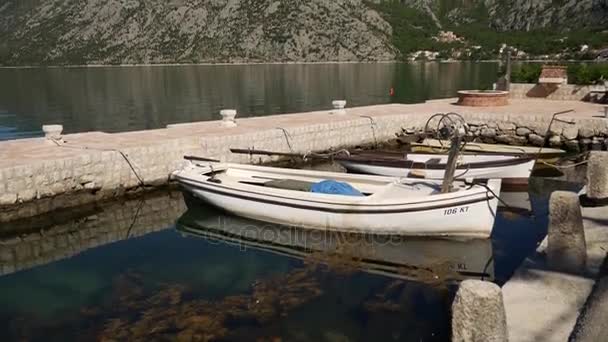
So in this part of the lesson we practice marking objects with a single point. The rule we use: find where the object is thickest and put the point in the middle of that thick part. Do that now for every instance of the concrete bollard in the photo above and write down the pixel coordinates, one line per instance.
(52, 132)
(478, 313)
(339, 106)
(228, 117)
(566, 248)
(597, 177)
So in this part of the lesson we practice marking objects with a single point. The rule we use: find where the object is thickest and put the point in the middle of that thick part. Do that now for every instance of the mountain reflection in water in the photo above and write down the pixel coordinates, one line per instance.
(115, 272)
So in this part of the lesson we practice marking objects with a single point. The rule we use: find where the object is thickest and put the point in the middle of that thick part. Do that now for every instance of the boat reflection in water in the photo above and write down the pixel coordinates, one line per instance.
(425, 260)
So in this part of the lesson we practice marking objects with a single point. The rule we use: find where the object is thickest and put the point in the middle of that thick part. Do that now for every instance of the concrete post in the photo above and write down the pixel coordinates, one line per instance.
(339, 106)
(597, 177)
(478, 313)
(52, 132)
(566, 249)
(228, 117)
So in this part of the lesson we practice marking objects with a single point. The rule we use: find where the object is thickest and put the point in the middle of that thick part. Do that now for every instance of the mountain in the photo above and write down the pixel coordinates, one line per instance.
(509, 15)
(191, 31)
(477, 29)
(61, 32)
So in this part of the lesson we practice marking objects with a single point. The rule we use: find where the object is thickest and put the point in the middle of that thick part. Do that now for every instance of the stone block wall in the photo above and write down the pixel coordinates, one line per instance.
(563, 92)
(115, 222)
(579, 135)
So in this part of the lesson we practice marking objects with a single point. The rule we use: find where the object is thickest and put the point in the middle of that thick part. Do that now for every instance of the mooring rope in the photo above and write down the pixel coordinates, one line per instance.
(124, 156)
(563, 167)
(373, 127)
(287, 137)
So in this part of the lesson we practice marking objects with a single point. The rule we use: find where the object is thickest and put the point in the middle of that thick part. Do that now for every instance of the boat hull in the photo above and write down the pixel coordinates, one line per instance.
(520, 170)
(436, 146)
(470, 217)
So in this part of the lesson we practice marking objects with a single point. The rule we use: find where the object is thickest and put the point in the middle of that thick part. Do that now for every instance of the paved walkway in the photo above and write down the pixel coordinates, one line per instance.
(543, 305)
(23, 151)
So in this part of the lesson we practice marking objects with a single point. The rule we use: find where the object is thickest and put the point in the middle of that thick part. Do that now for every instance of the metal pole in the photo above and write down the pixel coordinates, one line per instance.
(508, 73)
(450, 169)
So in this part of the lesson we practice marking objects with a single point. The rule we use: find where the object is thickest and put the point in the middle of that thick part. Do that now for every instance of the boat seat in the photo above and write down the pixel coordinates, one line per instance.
(290, 184)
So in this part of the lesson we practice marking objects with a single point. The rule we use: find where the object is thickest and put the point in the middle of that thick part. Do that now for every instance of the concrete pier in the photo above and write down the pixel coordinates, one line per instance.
(38, 177)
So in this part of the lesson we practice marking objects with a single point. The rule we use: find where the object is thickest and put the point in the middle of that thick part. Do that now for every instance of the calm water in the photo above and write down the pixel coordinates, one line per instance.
(151, 269)
(133, 98)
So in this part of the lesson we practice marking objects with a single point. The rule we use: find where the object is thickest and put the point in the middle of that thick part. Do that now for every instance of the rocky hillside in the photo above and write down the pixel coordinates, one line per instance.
(477, 29)
(191, 31)
(509, 15)
(194, 31)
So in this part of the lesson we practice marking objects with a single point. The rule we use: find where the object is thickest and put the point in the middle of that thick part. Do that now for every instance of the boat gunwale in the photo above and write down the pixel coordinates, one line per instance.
(365, 208)
(409, 164)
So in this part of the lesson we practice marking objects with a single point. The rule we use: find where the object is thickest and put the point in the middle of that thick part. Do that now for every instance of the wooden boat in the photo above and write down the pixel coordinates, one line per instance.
(434, 146)
(388, 205)
(433, 166)
(420, 259)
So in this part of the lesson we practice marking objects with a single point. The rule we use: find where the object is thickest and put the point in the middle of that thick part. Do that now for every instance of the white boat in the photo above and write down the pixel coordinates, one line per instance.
(434, 145)
(433, 166)
(420, 259)
(388, 206)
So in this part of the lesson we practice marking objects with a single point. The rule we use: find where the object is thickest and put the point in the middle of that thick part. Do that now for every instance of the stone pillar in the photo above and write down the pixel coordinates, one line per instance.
(52, 132)
(597, 177)
(566, 249)
(478, 313)
(228, 117)
(339, 106)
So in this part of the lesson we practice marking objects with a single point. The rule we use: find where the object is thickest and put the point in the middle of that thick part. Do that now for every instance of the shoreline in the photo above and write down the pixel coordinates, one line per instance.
(74, 66)
(140, 65)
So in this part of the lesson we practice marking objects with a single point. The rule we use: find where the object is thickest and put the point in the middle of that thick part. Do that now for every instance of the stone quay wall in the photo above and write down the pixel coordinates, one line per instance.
(43, 186)
(37, 176)
(579, 136)
(562, 92)
(41, 244)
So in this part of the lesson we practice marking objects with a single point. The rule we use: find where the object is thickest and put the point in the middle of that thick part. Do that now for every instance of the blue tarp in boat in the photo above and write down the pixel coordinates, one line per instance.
(333, 187)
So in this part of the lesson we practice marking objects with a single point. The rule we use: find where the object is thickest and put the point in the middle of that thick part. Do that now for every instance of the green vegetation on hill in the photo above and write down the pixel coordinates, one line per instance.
(582, 74)
(413, 30)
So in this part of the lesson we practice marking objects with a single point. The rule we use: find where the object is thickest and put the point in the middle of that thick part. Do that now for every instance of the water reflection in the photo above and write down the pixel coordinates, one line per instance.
(120, 271)
(426, 260)
(143, 282)
(131, 98)
(41, 240)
